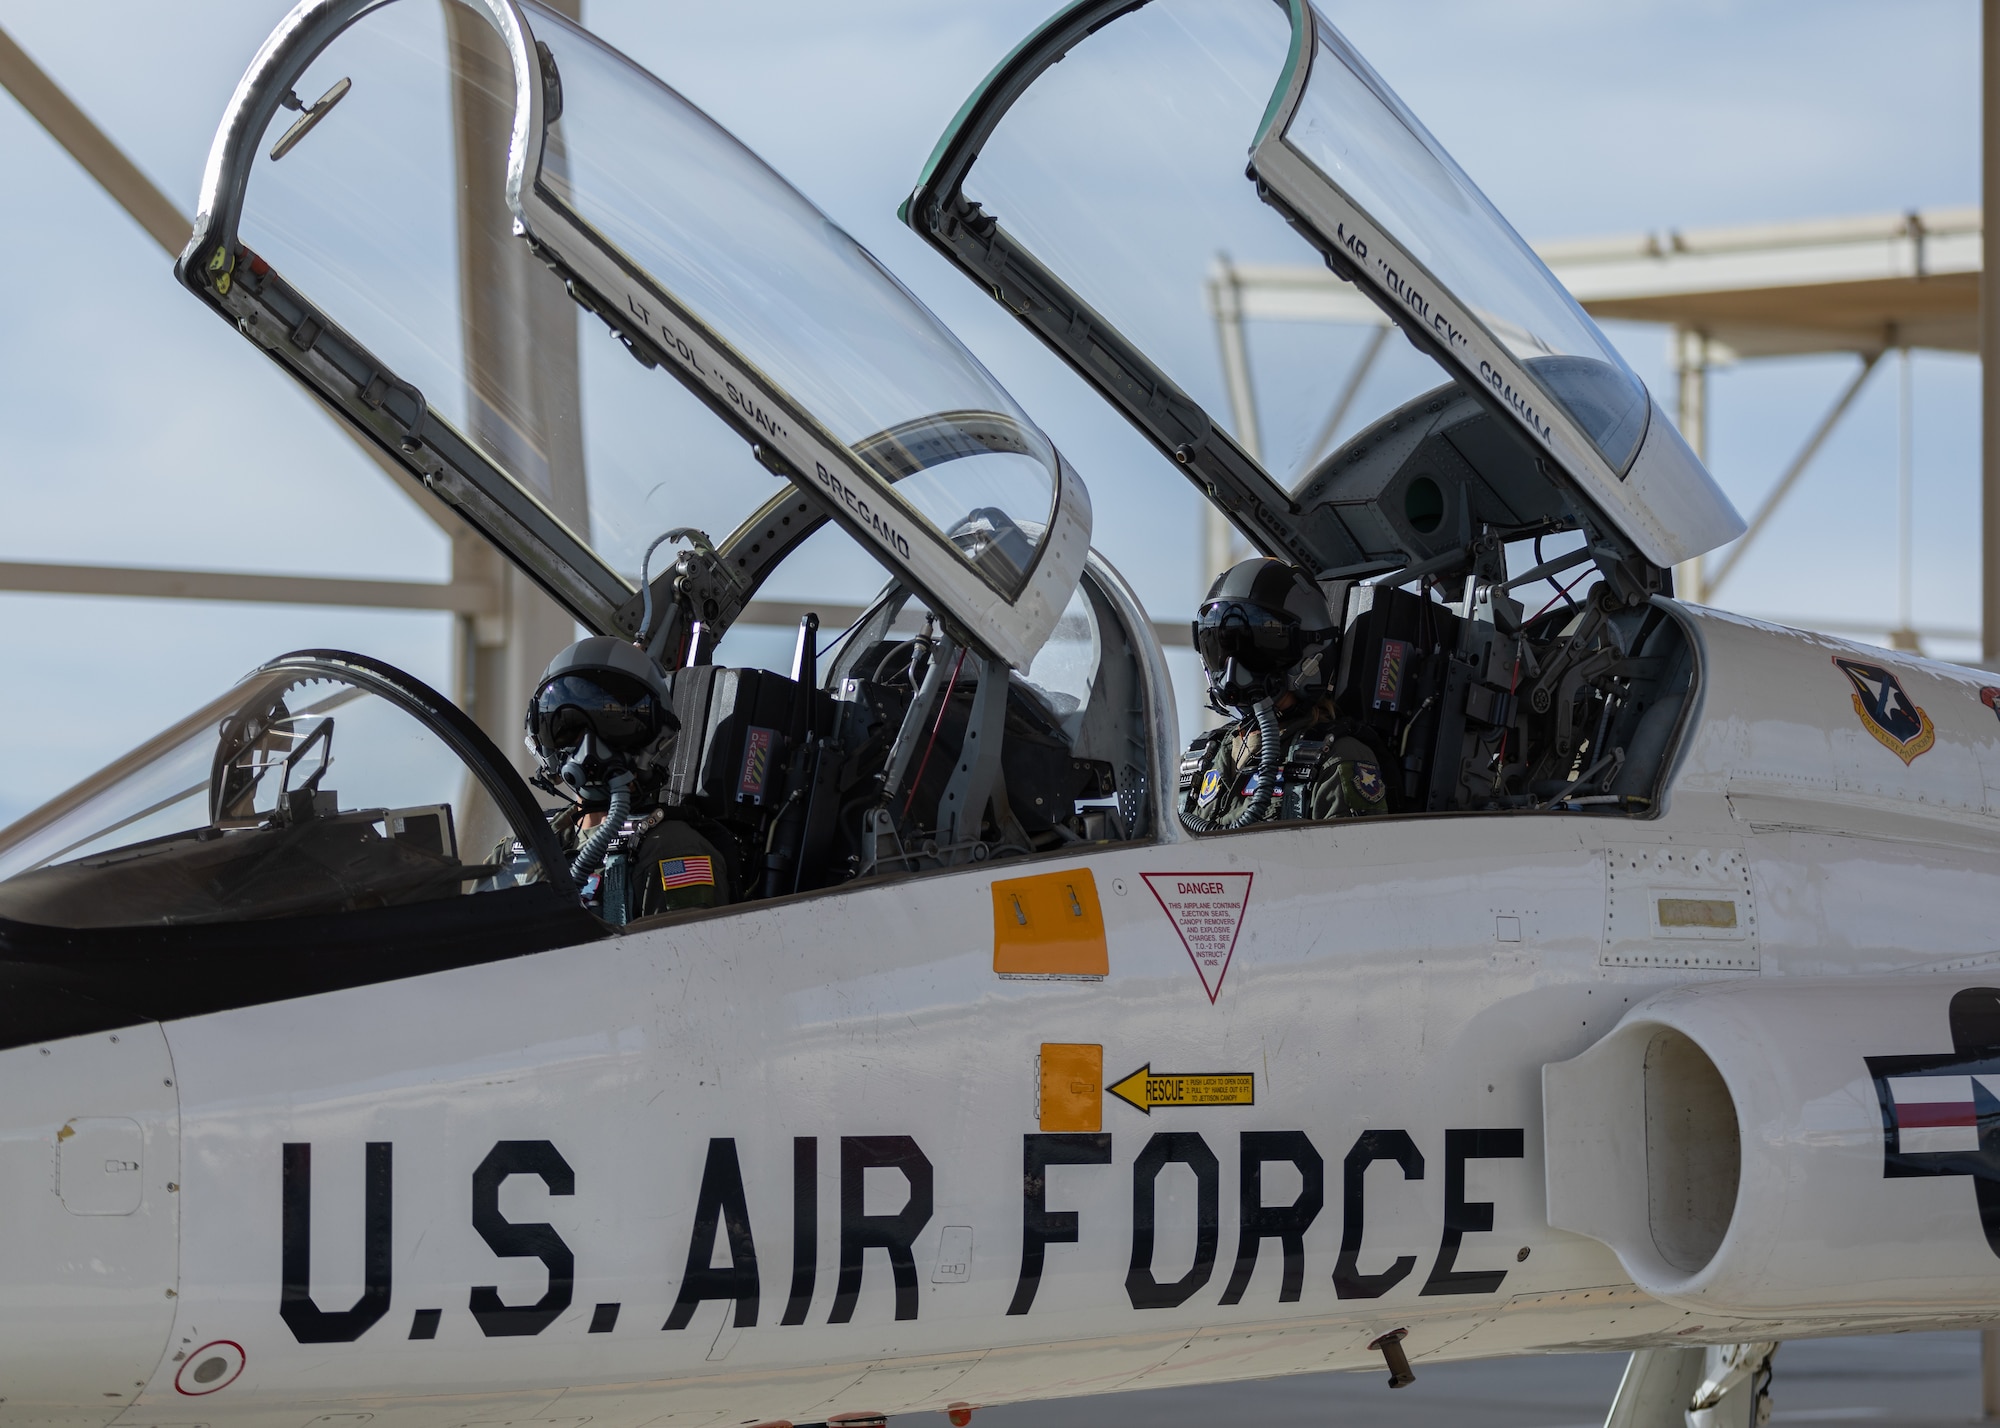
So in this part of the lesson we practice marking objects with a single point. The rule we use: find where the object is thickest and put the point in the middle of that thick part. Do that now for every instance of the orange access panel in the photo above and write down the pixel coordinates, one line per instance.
(1072, 1087)
(1049, 926)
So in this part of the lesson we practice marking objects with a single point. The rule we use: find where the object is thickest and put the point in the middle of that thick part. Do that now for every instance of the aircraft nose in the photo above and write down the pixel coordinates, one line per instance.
(89, 1157)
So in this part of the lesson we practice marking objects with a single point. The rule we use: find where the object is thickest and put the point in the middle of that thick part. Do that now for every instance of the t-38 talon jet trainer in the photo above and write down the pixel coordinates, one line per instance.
(344, 1084)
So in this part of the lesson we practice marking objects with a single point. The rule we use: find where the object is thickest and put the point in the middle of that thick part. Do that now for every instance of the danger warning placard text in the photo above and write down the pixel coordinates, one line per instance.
(1206, 909)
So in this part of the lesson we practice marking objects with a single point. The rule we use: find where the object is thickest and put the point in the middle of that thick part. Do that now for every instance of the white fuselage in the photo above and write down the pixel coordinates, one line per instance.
(1395, 984)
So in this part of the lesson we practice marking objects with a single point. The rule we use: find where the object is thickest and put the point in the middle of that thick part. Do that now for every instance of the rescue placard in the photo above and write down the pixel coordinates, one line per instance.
(1206, 909)
(1049, 927)
(1145, 1090)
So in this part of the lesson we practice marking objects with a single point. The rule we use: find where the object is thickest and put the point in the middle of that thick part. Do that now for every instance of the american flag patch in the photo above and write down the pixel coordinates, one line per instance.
(1935, 1113)
(686, 873)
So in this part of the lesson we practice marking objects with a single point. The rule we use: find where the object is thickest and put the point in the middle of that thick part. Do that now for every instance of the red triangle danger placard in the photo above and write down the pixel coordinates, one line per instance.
(1206, 909)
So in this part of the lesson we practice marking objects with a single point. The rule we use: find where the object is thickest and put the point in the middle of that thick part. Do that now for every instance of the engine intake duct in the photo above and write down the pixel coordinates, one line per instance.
(1771, 1148)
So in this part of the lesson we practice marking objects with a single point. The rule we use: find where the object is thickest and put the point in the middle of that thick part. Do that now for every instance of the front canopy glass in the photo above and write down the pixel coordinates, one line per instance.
(680, 199)
(410, 200)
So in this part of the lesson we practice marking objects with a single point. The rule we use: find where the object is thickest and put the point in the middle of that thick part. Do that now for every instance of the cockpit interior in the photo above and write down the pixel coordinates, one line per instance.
(534, 276)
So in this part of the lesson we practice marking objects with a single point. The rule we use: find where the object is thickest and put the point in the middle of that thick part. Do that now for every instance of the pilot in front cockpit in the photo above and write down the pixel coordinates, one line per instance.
(1268, 645)
(600, 726)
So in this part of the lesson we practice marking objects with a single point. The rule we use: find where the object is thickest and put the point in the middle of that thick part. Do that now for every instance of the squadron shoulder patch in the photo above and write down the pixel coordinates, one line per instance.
(1368, 782)
(1886, 711)
(1211, 785)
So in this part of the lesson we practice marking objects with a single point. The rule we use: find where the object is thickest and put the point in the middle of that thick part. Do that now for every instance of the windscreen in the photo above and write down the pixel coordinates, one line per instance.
(297, 793)
(675, 197)
(1353, 129)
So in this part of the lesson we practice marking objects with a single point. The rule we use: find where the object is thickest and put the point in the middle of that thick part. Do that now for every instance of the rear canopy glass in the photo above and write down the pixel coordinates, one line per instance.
(1156, 189)
(681, 199)
(1352, 128)
(1137, 218)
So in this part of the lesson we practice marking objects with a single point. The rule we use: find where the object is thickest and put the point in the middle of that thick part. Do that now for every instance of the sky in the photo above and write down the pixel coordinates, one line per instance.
(136, 429)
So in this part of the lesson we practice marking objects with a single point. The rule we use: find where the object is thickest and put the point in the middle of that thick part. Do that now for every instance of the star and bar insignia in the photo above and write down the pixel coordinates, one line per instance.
(1941, 1113)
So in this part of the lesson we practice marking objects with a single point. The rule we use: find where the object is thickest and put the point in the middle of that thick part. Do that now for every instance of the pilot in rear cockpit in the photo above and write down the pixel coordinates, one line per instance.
(1267, 645)
(602, 730)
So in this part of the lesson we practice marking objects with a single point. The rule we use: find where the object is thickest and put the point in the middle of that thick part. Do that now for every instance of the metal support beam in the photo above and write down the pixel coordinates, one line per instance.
(522, 400)
(154, 212)
(1989, 1374)
(474, 601)
(1691, 366)
(138, 583)
(69, 126)
(1797, 469)
(1989, 337)
(1225, 306)
(1905, 636)
(1350, 389)
(1769, 290)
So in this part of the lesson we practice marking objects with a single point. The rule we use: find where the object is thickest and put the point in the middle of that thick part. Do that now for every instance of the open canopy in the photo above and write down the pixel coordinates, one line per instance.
(381, 164)
(1091, 196)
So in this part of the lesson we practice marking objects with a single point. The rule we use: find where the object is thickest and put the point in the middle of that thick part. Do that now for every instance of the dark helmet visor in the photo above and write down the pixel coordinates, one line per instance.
(619, 710)
(1260, 641)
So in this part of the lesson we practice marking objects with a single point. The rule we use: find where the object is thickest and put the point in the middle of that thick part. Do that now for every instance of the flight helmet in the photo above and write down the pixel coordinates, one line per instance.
(600, 711)
(1256, 630)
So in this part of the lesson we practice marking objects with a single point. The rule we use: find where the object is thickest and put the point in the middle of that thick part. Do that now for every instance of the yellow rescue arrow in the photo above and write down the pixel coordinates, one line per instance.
(1145, 1090)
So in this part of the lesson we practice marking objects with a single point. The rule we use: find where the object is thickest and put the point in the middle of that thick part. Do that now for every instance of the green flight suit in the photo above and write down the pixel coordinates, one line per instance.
(671, 866)
(677, 866)
(1325, 773)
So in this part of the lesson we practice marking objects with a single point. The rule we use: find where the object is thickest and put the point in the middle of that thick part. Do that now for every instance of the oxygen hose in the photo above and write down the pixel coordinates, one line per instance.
(606, 833)
(1265, 712)
(1268, 752)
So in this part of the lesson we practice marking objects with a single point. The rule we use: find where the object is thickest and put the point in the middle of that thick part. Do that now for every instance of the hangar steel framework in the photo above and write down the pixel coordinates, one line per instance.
(1866, 286)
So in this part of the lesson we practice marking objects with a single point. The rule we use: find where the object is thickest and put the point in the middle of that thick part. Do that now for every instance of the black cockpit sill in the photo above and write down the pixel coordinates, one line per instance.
(57, 982)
